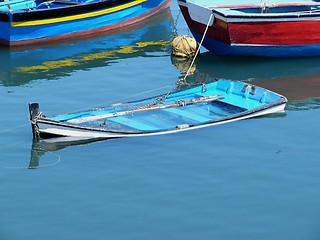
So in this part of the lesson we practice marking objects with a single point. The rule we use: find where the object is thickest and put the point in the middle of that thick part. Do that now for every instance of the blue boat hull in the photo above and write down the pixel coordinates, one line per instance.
(56, 22)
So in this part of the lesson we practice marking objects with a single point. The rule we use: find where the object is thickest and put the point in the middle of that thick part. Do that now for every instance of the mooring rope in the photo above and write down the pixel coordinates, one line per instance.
(22, 144)
(7, 166)
(198, 50)
(13, 128)
(118, 100)
(180, 81)
(13, 144)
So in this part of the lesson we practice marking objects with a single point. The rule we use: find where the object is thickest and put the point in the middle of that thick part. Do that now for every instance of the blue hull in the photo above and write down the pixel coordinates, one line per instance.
(41, 24)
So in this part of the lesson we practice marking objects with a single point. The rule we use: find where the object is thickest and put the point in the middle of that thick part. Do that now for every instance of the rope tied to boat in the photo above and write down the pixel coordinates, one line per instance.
(35, 118)
(183, 81)
(159, 100)
(149, 105)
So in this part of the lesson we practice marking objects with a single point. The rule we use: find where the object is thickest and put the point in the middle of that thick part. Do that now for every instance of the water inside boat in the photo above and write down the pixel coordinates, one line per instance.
(168, 118)
(189, 107)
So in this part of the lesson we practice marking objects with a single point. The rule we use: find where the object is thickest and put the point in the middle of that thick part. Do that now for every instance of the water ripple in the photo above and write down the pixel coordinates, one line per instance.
(307, 104)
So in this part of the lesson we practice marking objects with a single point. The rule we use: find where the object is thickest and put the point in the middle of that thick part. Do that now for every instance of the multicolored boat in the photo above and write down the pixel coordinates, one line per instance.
(282, 29)
(26, 22)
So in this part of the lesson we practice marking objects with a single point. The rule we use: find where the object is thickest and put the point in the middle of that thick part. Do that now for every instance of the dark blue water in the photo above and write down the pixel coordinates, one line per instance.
(253, 179)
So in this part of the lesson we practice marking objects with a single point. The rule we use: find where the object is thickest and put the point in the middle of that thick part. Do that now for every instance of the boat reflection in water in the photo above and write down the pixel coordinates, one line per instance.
(297, 79)
(20, 66)
(40, 148)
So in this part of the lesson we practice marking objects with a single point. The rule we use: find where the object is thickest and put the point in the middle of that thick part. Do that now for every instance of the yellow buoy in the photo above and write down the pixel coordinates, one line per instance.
(184, 46)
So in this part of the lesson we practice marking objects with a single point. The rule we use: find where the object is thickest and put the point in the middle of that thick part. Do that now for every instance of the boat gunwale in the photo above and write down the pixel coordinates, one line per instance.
(48, 121)
(300, 15)
(270, 16)
(65, 11)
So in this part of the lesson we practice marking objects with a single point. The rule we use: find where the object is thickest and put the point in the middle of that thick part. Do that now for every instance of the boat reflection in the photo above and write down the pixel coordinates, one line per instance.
(297, 79)
(44, 146)
(20, 66)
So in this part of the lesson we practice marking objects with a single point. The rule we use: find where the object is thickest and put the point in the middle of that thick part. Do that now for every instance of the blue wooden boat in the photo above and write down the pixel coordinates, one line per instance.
(26, 22)
(219, 102)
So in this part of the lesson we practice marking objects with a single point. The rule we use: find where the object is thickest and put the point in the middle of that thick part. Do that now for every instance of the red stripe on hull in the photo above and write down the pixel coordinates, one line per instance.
(218, 31)
(92, 32)
(275, 33)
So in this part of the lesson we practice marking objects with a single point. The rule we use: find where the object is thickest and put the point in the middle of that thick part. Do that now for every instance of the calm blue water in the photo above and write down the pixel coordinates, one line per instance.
(254, 179)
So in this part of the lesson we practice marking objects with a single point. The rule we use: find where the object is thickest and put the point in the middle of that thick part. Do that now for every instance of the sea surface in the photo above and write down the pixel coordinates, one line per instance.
(256, 179)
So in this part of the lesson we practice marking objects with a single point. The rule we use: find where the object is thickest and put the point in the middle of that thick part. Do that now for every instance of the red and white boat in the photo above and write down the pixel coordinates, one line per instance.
(264, 29)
